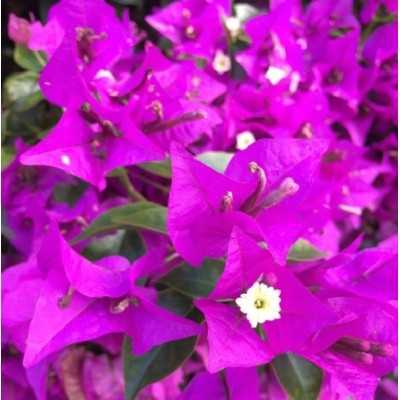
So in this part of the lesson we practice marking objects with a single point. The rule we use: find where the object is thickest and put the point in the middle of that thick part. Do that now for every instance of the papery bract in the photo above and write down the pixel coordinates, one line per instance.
(302, 315)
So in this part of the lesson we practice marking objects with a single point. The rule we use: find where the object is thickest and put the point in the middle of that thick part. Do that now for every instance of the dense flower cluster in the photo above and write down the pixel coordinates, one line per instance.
(213, 216)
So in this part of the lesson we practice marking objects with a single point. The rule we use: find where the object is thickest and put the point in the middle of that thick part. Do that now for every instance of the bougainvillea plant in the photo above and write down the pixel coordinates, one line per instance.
(200, 201)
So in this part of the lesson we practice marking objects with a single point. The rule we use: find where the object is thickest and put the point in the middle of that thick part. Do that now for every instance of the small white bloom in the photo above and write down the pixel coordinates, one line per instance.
(221, 62)
(233, 25)
(294, 82)
(65, 159)
(351, 209)
(244, 139)
(275, 74)
(105, 73)
(260, 303)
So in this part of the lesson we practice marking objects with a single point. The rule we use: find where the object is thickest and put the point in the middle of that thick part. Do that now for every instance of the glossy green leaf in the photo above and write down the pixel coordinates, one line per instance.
(21, 91)
(154, 365)
(132, 246)
(303, 250)
(31, 124)
(162, 168)
(107, 245)
(28, 59)
(137, 3)
(195, 282)
(7, 156)
(300, 378)
(174, 301)
(125, 243)
(142, 214)
(217, 160)
(69, 193)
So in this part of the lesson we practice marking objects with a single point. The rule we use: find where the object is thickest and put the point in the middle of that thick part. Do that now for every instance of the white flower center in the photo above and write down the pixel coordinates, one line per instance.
(260, 303)
(221, 62)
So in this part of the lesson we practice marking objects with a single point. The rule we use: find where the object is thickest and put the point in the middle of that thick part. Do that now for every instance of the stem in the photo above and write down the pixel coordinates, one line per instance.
(132, 192)
(171, 257)
(261, 332)
(40, 59)
(226, 386)
(227, 300)
(377, 21)
(150, 182)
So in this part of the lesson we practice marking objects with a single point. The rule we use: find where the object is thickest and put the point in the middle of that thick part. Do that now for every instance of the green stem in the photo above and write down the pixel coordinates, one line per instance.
(261, 332)
(40, 59)
(132, 192)
(150, 182)
(378, 21)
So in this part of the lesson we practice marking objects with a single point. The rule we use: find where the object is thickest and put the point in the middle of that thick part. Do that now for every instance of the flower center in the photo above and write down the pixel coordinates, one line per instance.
(84, 39)
(260, 303)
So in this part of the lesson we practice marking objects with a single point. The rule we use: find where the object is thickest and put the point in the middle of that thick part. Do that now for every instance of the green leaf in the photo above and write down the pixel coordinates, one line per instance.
(303, 250)
(194, 282)
(137, 3)
(162, 168)
(7, 156)
(107, 245)
(142, 214)
(300, 378)
(21, 91)
(217, 160)
(4, 124)
(154, 365)
(132, 246)
(122, 243)
(31, 124)
(69, 193)
(174, 301)
(6, 231)
(28, 59)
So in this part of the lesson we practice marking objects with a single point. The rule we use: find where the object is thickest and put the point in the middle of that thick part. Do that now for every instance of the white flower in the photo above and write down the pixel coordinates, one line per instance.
(233, 25)
(260, 303)
(276, 74)
(244, 139)
(221, 63)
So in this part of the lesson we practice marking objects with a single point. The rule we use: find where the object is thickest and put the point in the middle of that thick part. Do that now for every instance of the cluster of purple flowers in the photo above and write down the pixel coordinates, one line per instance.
(213, 216)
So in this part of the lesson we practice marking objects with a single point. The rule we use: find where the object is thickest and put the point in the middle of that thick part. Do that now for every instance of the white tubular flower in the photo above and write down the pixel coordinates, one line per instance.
(244, 139)
(276, 74)
(221, 63)
(260, 303)
(233, 25)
